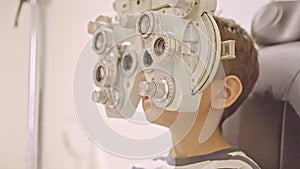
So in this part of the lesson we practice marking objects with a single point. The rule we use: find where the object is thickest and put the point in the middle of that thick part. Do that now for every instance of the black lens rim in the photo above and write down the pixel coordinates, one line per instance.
(146, 58)
(100, 74)
(127, 67)
(159, 46)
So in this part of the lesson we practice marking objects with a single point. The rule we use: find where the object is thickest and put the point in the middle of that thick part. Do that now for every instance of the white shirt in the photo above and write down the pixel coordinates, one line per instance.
(224, 159)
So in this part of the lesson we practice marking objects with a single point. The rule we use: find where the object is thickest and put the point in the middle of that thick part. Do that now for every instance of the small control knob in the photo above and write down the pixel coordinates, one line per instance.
(100, 96)
(158, 90)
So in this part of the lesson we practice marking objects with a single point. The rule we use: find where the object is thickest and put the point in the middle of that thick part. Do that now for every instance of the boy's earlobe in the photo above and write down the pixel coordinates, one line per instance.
(227, 94)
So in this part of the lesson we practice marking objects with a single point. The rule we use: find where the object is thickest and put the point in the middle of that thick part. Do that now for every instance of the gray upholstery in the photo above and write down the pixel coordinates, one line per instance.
(280, 65)
(277, 22)
(267, 125)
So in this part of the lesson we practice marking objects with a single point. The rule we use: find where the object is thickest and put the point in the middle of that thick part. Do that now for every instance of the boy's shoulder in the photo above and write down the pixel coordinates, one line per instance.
(231, 158)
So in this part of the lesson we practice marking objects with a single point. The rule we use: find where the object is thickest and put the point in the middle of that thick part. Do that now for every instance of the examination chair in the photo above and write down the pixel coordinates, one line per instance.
(267, 125)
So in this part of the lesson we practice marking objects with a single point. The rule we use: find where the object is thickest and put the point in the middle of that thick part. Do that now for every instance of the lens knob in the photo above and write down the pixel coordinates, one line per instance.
(157, 90)
(100, 96)
(147, 88)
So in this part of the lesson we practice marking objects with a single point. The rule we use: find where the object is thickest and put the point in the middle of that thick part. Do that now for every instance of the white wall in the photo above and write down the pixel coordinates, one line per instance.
(14, 51)
(66, 35)
(240, 11)
(64, 144)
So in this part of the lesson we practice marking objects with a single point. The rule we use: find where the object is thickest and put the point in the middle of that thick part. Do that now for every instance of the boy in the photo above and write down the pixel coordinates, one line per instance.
(241, 74)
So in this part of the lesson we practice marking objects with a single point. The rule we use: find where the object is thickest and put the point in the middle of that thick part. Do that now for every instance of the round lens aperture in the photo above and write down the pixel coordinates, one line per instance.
(144, 24)
(100, 74)
(147, 59)
(159, 46)
(103, 74)
(127, 62)
(99, 41)
(102, 41)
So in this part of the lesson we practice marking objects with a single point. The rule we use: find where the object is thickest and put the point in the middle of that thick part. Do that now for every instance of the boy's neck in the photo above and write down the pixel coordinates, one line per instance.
(190, 146)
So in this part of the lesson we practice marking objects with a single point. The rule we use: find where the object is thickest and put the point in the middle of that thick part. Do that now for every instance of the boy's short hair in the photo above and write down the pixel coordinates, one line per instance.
(245, 66)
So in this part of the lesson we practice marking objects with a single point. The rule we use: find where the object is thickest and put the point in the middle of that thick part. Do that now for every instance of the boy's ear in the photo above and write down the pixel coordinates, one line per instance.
(228, 93)
(234, 88)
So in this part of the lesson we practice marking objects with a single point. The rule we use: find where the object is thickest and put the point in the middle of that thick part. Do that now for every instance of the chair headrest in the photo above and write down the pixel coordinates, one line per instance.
(280, 73)
(277, 22)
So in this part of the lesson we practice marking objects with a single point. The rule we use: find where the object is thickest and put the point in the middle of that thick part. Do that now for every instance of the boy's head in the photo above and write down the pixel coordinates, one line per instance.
(241, 74)
(245, 66)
